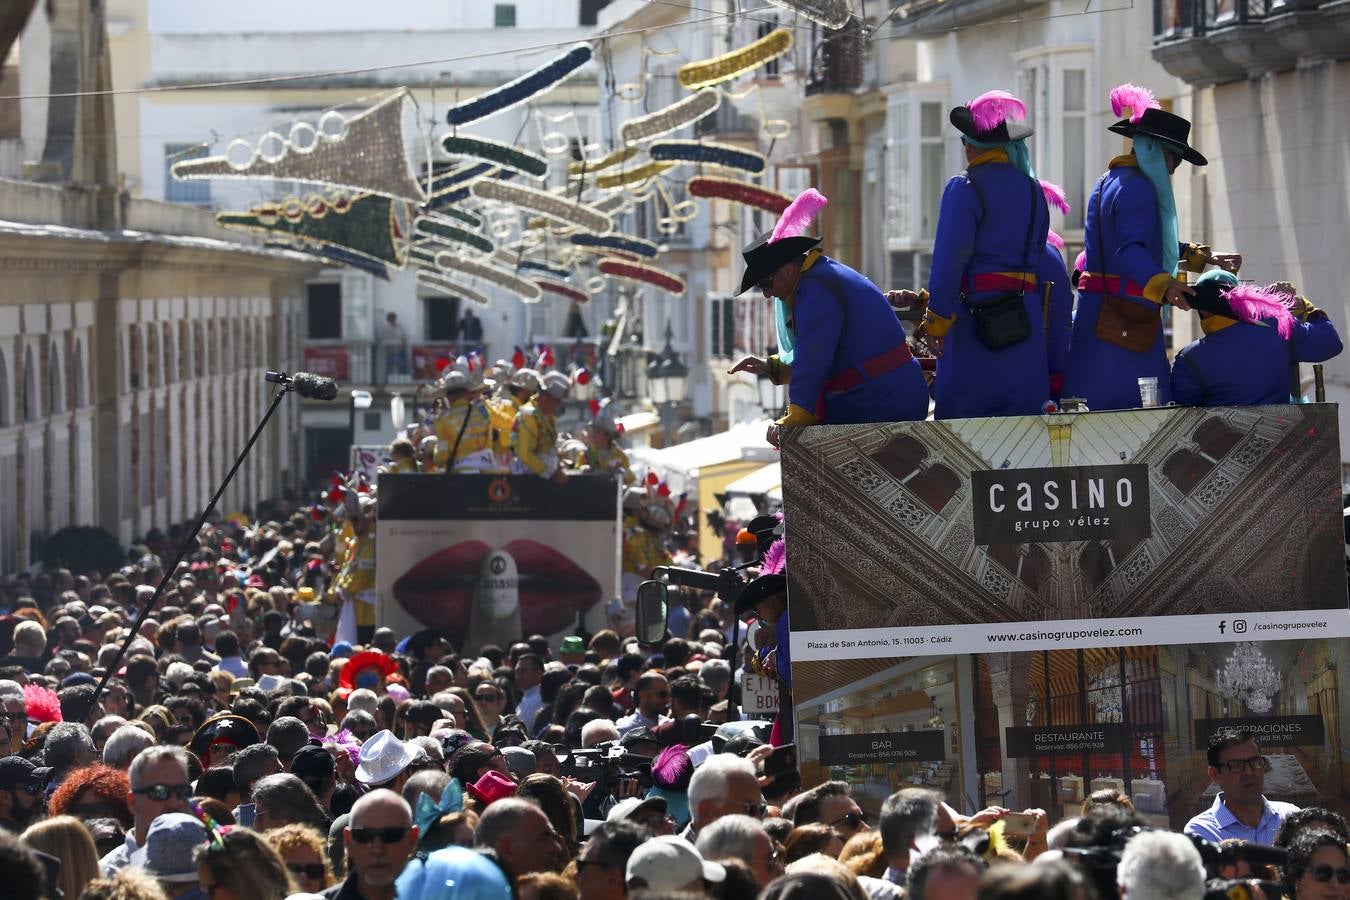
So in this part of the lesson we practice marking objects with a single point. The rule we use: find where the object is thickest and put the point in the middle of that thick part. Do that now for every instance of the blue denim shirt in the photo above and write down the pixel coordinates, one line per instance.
(1218, 823)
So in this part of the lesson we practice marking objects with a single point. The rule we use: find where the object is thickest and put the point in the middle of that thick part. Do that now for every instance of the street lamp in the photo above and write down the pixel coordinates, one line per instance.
(772, 397)
(360, 400)
(668, 381)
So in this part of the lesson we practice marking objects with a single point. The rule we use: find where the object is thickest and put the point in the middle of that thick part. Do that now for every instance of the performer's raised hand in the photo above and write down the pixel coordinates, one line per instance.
(1178, 294)
(902, 298)
(1229, 262)
(752, 364)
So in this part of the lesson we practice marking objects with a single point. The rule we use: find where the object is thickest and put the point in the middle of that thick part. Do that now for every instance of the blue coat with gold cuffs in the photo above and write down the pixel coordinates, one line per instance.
(1122, 234)
(851, 362)
(1240, 364)
(983, 248)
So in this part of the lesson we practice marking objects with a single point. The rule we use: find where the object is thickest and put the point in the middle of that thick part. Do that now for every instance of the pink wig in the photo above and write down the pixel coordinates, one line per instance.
(1134, 98)
(41, 703)
(799, 215)
(1252, 304)
(992, 108)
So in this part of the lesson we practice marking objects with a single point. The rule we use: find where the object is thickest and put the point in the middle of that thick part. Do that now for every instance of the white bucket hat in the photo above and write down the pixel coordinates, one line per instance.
(383, 756)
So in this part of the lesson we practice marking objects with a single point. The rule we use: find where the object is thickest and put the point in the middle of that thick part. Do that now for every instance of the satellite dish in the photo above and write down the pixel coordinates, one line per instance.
(396, 411)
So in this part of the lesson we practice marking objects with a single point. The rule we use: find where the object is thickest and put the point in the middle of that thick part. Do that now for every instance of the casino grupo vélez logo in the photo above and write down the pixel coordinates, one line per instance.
(1064, 503)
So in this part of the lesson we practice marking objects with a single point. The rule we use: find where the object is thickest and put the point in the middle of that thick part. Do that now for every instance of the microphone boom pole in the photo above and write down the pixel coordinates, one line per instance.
(286, 383)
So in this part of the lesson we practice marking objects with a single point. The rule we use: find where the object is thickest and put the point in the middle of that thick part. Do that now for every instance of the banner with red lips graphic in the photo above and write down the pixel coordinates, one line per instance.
(492, 558)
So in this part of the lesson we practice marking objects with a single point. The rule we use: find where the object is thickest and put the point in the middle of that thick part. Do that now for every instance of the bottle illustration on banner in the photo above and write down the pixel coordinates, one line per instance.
(494, 617)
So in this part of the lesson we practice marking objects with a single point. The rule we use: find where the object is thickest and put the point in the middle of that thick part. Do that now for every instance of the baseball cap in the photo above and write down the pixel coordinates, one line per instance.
(520, 761)
(668, 863)
(169, 843)
(313, 765)
(625, 809)
(572, 644)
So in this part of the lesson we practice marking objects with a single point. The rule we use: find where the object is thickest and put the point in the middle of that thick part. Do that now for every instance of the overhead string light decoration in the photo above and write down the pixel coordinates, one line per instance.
(677, 212)
(621, 268)
(449, 286)
(635, 175)
(833, 14)
(368, 225)
(365, 153)
(621, 242)
(516, 92)
(334, 254)
(559, 209)
(468, 218)
(728, 66)
(553, 271)
(738, 192)
(505, 155)
(459, 195)
(549, 286)
(527, 291)
(441, 230)
(670, 118)
(609, 160)
(709, 153)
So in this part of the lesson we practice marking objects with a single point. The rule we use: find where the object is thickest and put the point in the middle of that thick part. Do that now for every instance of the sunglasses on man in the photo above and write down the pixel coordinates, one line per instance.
(383, 835)
(161, 792)
(1324, 873)
(306, 870)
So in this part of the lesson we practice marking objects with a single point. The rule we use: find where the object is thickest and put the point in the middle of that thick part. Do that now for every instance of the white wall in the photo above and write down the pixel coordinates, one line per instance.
(352, 15)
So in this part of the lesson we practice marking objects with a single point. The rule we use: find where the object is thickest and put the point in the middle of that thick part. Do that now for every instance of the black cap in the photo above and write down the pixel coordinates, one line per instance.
(637, 736)
(762, 588)
(312, 763)
(17, 773)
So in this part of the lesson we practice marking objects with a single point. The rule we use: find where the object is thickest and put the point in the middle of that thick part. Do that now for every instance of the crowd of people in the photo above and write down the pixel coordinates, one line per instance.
(233, 753)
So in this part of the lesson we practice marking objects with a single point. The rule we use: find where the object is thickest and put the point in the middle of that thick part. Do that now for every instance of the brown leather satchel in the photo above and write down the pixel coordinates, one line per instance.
(1128, 325)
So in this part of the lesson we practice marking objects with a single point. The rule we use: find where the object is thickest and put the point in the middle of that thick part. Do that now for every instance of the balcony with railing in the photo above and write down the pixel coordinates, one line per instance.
(838, 59)
(1205, 42)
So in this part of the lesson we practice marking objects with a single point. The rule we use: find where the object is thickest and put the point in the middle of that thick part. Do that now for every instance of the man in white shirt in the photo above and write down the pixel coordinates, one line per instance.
(653, 698)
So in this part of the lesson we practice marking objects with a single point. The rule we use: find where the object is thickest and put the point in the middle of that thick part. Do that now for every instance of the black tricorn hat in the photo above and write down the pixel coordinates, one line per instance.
(763, 258)
(1165, 126)
(964, 121)
(762, 588)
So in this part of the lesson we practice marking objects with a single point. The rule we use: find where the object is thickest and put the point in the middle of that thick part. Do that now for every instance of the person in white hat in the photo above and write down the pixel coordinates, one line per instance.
(384, 761)
(534, 436)
(520, 386)
(670, 863)
(603, 453)
(464, 430)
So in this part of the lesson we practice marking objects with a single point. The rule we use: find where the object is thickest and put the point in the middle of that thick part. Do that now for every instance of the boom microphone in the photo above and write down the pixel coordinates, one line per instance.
(314, 387)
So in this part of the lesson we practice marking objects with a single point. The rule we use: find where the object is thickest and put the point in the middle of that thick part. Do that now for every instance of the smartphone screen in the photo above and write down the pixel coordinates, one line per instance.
(1019, 823)
(782, 760)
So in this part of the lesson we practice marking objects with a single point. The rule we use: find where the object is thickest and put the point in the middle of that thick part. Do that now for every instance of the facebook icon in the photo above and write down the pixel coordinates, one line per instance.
(1222, 624)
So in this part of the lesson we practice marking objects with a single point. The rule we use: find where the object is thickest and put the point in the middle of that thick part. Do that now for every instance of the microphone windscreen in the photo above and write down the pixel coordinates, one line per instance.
(314, 387)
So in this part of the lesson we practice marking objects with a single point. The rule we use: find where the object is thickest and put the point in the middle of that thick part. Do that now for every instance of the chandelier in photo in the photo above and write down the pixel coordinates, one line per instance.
(1248, 676)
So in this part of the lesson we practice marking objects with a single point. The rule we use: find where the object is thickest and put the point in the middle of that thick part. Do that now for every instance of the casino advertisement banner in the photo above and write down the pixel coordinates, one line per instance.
(492, 558)
(1021, 611)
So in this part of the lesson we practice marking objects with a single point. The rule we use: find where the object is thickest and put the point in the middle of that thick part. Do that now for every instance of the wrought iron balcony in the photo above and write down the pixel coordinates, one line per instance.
(1206, 42)
(838, 59)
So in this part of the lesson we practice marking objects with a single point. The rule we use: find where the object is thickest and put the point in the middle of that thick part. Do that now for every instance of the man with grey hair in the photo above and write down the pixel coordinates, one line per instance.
(123, 745)
(716, 674)
(723, 785)
(743, 839)
(1160, 865)
(907, 817)
(380, 838)
(598, 731)
(104, 728)
(30, 643)
(68, 747)
(159, 784)
(522, 837)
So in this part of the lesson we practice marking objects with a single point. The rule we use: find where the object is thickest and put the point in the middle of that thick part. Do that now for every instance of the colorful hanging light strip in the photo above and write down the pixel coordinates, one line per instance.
(610, 204)
(620, 268)
(459, 176)
(459, 195)
(335, 254)
(423, 255)
(635, 175)
(447, 286)
(832, 14)
(609, 160)
(621, 242)
(738, 192)
(707, 72)
(563, 290)
(370, 225)
(533, 266)
(667, 119)
(709, 153)
(513, 93)
(526, 290)
(505, 155)
(560, 209)
(434, 227)
(463, 215)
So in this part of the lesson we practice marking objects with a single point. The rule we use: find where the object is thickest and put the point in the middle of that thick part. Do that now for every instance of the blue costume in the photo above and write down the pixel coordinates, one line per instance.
(1241, 364)
(1122, 235)
(983, 248)
(1059, 318)
(850, 361)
